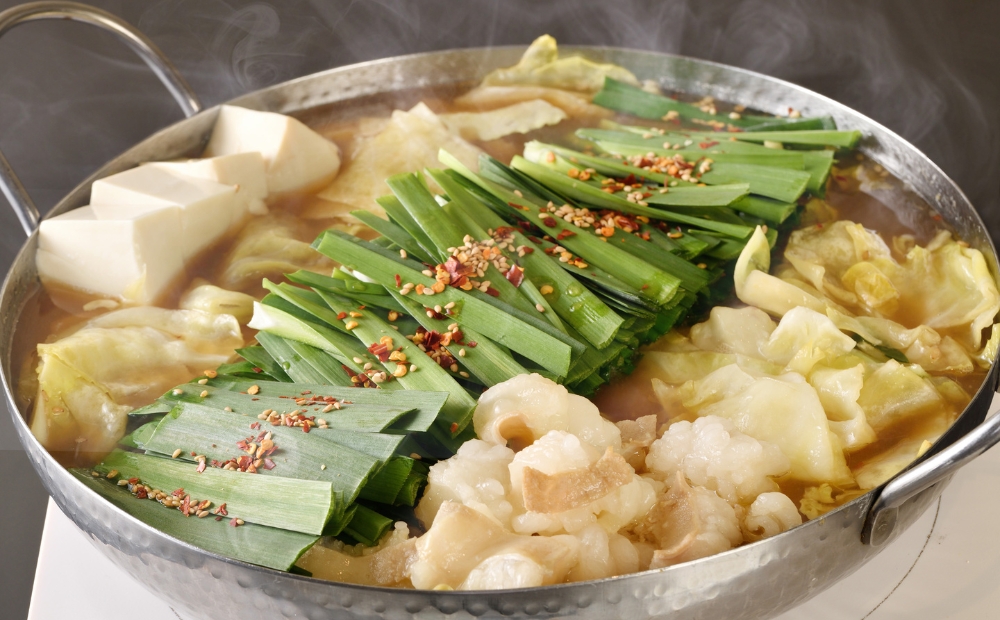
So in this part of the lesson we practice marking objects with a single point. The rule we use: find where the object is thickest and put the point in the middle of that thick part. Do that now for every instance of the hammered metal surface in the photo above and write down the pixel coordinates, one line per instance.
(756, 581)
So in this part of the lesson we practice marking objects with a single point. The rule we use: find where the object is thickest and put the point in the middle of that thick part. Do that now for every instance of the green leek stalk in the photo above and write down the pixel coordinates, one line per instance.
(256, 544)
(264, 500)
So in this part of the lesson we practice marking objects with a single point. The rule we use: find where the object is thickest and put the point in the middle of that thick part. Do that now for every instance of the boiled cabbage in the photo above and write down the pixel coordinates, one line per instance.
(517, 118)
(90, 380)
(945, 286)
(269, 247)
(785, 411)
(541, 66)
(214, 300)
(410, 141)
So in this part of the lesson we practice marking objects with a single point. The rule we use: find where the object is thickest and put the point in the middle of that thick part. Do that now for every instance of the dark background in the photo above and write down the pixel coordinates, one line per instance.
(72, 97)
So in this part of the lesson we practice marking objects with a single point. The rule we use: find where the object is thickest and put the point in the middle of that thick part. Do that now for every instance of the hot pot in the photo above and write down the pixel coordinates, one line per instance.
(754, 581)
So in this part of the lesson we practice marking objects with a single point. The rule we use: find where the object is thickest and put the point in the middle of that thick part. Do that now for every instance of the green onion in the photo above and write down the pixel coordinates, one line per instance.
(302, 362)
(255, 544)
(469, 312)
(633, 100)
(410, 491)
(385, 485)
(777, 183)
(286, 503)
(215, 434)
(396, 233)
(368, 527)
(259, 357)
(843, 139)
(574, 304)
(487, 361)
(428, 375)
(428, 403)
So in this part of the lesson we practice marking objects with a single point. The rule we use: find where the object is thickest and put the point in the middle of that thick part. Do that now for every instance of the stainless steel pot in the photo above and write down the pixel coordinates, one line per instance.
(754, 581)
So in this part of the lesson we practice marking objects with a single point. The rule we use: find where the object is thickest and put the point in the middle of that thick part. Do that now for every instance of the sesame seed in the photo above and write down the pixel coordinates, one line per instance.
(113, 474)
(204, 393)
(350, 325)
(253, 389)
(177, 392)
(202, 381)
(322, 467)
(413, 368)
(464, 374)
(540, 307)
(402, 253)
(461, 352)
(176, 453)
(211, 374)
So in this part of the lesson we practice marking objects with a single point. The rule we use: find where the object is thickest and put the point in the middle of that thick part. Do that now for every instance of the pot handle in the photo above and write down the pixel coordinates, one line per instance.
(10, 185)
(881, 519)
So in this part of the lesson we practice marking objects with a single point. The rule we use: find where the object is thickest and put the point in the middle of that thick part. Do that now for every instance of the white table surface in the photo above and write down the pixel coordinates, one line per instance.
(946, 566)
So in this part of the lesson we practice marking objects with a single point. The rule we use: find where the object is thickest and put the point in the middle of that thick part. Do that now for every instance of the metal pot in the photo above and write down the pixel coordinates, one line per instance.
(754, 581)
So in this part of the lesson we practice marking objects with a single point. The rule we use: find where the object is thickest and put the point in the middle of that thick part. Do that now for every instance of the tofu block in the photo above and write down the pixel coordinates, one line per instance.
(245, 171)
(207, 209)
(297, 158)
(133, 257)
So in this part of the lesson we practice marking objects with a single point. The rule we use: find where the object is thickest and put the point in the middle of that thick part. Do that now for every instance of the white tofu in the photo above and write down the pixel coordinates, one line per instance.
(134, 257)
(297, 157)
(207, 209)
(245, 171)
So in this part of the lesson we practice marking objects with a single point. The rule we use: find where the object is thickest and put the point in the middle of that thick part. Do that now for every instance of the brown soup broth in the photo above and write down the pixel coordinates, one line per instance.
(48, 314)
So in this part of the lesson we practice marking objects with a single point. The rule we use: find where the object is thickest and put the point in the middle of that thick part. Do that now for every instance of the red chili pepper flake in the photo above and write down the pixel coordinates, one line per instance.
(515, 275)
(457, 335)
(141, 493)
(473, 344)
(548, 221)
(454, 427)
(399, 281)
(517, 206)
(221, 510)
(645, 286)
(564, 234)
(258, 370)
(242, 444)
(708, 145)
(268, 464)
(492, 292)
(233, 522)
(133, 480)
(380, 351)
(458, 273)
(201, 467)
(341, 316)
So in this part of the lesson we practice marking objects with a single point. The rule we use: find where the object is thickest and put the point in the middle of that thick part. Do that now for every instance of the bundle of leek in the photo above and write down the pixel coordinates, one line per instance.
(328, 461)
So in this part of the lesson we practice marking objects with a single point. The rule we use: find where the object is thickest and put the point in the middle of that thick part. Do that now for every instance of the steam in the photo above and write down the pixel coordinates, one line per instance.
(871, 56)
